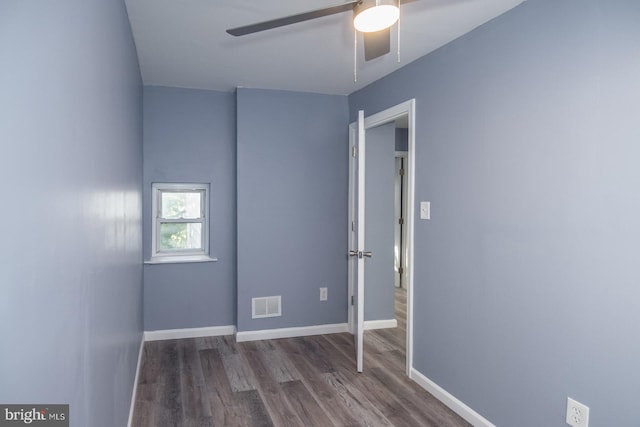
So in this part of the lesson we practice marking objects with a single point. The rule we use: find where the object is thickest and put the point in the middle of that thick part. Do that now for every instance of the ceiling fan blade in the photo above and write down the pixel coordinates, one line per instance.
(292, 19)
(377, 44)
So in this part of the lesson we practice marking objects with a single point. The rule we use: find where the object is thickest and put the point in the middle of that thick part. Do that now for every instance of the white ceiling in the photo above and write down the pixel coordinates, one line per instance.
(183, 43)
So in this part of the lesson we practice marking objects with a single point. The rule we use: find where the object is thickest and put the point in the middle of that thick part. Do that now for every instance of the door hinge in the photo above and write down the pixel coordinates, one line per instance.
(353, 226)
(351, 299)
(401, 221)
(401, 171)
(354, 151)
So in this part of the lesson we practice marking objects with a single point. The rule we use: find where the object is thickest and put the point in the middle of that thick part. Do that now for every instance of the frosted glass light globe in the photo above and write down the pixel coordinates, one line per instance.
(376, 18)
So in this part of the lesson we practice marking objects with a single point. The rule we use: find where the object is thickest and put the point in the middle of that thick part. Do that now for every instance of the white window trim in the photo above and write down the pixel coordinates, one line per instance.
(179, 256)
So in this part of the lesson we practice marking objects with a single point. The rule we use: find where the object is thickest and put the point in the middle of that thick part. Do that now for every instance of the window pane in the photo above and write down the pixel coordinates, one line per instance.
(180, 235)
(183, 204)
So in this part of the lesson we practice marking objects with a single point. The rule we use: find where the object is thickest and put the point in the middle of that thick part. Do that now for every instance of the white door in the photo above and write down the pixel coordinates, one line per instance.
(356, 240)
(372, 218)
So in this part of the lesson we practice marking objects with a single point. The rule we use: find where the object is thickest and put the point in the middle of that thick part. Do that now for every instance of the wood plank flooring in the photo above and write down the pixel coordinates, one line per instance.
(307, 381)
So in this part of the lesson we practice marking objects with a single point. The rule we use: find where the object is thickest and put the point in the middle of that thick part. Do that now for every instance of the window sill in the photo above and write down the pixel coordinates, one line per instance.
(180, 259)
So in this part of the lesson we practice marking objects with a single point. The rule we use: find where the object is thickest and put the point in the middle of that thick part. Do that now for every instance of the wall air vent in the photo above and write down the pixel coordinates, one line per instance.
(266, 307)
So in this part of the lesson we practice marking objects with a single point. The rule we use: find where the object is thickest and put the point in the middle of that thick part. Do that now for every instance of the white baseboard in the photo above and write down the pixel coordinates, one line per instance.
(380, 324)
(449, 400)
(303, 331)
(172, 334)
(135, 382)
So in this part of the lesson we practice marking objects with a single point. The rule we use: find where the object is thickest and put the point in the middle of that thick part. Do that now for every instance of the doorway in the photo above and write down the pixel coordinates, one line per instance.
(401, 116)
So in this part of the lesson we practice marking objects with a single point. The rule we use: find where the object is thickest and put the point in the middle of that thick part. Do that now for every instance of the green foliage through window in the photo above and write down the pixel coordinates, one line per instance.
(180, 235)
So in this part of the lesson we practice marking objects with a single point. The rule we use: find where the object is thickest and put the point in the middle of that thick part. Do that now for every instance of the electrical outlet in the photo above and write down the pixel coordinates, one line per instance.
(323, 294)
(577, 413)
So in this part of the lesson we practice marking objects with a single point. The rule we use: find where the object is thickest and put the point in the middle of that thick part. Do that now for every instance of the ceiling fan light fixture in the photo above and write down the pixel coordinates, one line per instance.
(375, 15)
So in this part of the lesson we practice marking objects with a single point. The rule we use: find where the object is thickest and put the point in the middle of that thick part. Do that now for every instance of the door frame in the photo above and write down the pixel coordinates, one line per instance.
(403, 209)
(389, 115)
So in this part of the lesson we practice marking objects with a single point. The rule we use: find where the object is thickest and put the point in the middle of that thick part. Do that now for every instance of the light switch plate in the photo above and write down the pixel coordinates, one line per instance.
(425, 210)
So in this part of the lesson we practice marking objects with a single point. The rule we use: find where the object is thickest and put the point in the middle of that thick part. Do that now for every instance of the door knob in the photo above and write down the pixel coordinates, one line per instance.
(368, 254)
(353, 253)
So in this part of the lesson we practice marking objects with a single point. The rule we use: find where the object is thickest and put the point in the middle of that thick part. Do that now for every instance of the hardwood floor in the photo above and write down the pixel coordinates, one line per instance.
(307, 381)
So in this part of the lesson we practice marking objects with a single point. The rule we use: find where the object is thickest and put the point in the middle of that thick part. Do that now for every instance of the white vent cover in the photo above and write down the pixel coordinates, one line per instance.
(266, 307)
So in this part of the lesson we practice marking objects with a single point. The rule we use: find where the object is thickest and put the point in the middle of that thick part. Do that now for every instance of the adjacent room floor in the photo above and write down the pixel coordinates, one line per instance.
(307, 381)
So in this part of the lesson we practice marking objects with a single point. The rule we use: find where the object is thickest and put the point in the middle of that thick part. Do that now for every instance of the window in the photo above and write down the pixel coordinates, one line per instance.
(180, 230)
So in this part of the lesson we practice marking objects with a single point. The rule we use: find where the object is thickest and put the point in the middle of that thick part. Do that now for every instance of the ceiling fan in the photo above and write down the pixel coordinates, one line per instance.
(373, 18)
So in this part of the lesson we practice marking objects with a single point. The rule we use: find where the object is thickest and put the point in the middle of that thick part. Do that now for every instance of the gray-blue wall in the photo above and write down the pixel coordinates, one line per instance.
(71, 274)
(189, 136)
(402, 139)
(379, 222)
(292, 151)
(526, 277)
